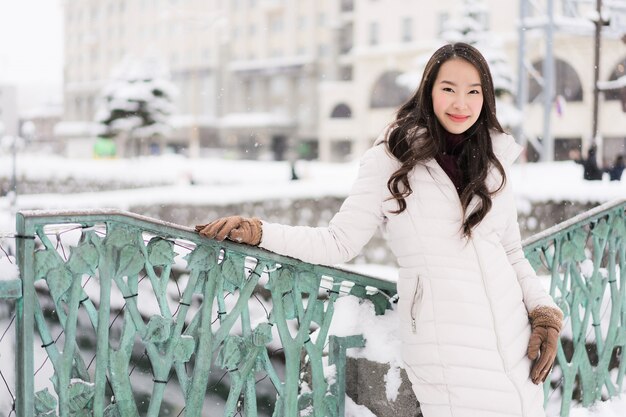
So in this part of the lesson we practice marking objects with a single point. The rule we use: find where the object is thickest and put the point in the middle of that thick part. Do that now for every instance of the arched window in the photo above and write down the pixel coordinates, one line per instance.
(567, 81)
(341, 111)
(387, 92)
(619, 71)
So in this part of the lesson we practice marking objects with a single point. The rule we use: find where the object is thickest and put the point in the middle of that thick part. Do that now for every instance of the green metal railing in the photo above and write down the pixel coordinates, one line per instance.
(585, 258)
(121, 304)
(192, 306)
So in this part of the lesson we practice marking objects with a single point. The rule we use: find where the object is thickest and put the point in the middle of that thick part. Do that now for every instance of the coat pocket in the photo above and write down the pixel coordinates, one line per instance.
(416, 303)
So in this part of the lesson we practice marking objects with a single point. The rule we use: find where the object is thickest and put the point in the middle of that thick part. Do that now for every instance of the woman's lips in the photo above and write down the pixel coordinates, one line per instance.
(457, 117)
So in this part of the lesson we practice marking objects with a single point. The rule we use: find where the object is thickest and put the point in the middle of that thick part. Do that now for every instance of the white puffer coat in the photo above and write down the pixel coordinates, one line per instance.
(463, 303)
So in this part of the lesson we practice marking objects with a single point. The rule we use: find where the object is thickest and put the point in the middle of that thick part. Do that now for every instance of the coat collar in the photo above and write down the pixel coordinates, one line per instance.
(504, 147)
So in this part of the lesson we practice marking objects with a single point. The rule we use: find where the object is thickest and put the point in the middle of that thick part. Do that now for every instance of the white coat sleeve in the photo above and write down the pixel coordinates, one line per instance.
(348, 231)
(533, 291)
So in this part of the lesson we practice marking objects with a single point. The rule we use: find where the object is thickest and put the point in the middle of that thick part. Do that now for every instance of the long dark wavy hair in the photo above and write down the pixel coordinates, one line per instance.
(416, 136)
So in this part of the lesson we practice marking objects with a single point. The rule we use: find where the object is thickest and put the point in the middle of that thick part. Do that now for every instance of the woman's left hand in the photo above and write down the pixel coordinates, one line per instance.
(542, 349)
(546, 325)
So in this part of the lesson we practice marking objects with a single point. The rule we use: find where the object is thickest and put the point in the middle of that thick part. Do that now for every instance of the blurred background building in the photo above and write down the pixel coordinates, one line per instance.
(9, 122)
(287, 79)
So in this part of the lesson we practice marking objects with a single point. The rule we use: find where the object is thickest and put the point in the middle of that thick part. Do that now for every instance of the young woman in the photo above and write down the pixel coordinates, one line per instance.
(479, 333)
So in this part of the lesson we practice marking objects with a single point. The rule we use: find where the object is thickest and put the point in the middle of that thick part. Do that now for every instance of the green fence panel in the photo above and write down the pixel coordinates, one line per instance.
(189, 304)
(585, 259)
(97, 294)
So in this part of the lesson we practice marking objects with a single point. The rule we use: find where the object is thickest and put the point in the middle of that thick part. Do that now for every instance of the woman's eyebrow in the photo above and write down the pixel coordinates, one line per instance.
(454, 84)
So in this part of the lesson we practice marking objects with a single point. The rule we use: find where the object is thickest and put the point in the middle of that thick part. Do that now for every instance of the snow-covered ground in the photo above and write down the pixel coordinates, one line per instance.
(167, 180)
(227, 181)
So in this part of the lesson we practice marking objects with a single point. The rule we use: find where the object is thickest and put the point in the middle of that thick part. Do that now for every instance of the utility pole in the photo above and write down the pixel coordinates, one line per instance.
(547, 151)
(522, 79)
(596, 70)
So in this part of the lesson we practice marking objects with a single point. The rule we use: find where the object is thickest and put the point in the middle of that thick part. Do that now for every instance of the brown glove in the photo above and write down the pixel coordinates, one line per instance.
(546, 325)
(236, 228)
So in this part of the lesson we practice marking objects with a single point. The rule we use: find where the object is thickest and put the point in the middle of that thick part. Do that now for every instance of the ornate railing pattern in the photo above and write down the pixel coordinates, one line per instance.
(191, 305)
(585, 258)
(139, 288)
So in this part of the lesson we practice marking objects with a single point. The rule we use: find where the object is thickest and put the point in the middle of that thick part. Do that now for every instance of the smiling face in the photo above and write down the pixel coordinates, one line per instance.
(457, 95)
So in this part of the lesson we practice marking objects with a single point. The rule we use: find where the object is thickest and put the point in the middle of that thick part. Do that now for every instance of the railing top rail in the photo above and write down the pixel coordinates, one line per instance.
(42, 217)
(574, 222)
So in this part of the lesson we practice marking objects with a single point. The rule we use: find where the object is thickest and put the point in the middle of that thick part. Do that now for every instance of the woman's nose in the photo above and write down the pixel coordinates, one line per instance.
(459, 102)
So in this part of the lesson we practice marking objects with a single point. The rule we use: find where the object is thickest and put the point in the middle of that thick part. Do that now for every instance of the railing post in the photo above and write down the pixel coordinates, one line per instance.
(25, 320)
(337, 356)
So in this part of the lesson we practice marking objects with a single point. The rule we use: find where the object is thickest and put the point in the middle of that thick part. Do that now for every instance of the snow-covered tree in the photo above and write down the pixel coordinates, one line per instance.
(471, 26)
(136, 104)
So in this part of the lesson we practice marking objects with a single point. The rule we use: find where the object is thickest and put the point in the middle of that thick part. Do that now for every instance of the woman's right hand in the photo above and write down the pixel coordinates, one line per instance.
(236, 228)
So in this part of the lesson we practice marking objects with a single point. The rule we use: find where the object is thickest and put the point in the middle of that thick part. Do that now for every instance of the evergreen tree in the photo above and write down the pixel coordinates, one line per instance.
(136, 104)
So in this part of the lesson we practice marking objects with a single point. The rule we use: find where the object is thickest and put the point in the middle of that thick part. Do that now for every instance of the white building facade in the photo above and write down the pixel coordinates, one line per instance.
(8, 110)
(287, 79)
(392, 37)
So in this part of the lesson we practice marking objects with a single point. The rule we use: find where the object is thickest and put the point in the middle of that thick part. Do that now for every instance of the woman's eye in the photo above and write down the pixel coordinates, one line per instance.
(474, 92)
(448, 89)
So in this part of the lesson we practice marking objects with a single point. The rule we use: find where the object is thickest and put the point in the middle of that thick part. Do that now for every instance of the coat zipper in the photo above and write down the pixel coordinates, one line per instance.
(417, 299)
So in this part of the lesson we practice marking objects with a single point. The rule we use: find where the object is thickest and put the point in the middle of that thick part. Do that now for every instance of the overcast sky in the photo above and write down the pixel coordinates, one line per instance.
(31, 42)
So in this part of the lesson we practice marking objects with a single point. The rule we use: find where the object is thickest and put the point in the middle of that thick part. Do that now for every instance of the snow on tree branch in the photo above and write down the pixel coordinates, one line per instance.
(137, 101)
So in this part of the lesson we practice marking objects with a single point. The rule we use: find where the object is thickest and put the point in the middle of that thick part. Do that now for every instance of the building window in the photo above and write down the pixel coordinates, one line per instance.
(373, 34)
(618, 72)
(321, 19)
(407, 29)
(301, 22)
(567, 82)
(387, 92)
(345, 38)
(341, 111)
(345, 73)
(322, 49)
(276, 24)
(347, 5)
(340, 150)
(564, 146)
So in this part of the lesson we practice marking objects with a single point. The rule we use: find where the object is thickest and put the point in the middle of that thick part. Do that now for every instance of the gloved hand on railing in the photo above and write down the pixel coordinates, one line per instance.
(546, 325)
(236, 228)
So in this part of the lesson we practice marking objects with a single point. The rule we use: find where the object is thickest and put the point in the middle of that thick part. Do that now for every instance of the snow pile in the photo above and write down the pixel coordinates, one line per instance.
(8, 268)
(354, 316)
(355, 410)
(614, 407)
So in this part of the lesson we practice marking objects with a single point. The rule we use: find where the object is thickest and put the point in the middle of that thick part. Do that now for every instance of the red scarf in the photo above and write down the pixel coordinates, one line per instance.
(448, 159)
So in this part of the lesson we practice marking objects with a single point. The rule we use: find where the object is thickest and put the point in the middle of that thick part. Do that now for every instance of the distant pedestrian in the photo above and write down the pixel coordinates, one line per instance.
(479, 332)
(591, 170)
(615, 171)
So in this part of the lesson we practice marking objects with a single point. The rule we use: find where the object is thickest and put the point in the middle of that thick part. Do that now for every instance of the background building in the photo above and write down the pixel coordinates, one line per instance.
(286, 79)
(8, 111)
(99, 35)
